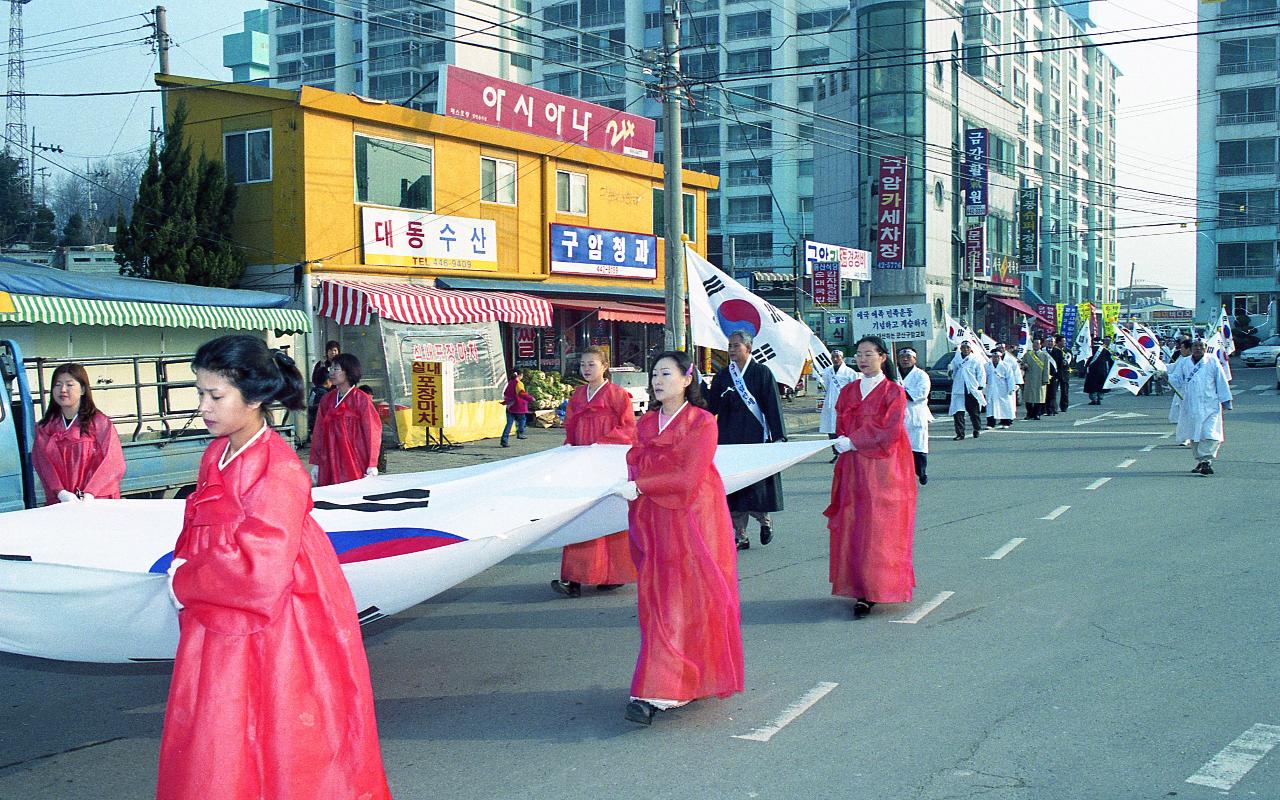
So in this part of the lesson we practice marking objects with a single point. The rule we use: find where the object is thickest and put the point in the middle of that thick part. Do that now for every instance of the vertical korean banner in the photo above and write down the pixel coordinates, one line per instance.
(1029, 229)
(1084, 315)
(1049, 312)
(826, 283)
(891, 213)
(1068, 317)
(976, 142)
(1110, 316)
(432, 397)
(975, 251)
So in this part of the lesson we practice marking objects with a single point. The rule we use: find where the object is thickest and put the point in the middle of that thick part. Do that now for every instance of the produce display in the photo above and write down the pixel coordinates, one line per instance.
(547, 389)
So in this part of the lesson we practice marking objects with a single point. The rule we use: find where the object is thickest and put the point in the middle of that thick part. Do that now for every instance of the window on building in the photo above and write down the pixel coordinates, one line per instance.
(597, 13)
(750, 209)
(390, 173)
(1246, 55)
(247, 155)
(701, 141)
(1246, 208)
(519, 60)
(747, 26)
(700, 65)
(497, 181)
(748, 61)
(287, 43)
(805, 94)
(288, 15)
(750, 136)
(690, 215)
(562, 83)
(289, 71)
(821, 20)
(752, 101)
(751, 245)
(604, 46)
(804, 168)
(815, 55)
(1247, 105)
(317, 39)
(804, 205)
(561, 50)
(1240, 152)
(747, 173)
(1240, 255)
(604, 80)
(571, 192)
(561, 14)
(700, 31)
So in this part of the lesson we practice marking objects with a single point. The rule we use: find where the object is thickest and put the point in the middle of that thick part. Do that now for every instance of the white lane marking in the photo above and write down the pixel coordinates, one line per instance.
(1108, 415)
(1168, 435)
(1057, 512)
(790, 714)
(1262, 387)
(1148, 448)
(1096, 484)
(1128, 462)
(1229, 766)
(155, 708)
(919, 613)
(1074, 433)
(1004, 551)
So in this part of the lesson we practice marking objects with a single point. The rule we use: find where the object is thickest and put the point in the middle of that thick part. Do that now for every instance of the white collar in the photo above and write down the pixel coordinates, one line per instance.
(342, 396)
(66, 426)
(590, 394)
(866, 384)
(224, 461)
(662, 426)
(741, 370)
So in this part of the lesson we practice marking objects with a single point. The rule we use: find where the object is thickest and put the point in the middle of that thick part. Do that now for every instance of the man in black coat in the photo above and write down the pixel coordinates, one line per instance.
(1060, 383)
(743, 396)
(1096, 370)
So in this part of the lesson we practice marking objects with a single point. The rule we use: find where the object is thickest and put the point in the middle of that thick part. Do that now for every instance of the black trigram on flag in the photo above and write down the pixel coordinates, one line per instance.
(774, 313)
(821, 360)
(763, 354)
(713, 285)
(390, 501)
(370, 614)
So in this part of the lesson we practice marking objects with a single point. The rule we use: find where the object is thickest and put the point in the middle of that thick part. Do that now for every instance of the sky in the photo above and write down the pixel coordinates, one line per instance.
(1156, 122)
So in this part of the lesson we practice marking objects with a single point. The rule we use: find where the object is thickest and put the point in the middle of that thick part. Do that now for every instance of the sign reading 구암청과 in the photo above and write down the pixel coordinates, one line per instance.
(422, 239)
(603, 253)
(432, 394)
(504, 104)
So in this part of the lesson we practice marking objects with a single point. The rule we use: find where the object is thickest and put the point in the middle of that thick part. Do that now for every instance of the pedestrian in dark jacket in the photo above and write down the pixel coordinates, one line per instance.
(517, 400)
(1096, 370)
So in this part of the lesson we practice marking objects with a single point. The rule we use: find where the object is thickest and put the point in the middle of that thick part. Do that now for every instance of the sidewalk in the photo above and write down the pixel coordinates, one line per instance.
(800, 414)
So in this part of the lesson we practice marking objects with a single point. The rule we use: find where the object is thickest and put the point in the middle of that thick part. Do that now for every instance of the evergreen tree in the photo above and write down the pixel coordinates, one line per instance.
(180, 228)
(46, 229)
(75, 234)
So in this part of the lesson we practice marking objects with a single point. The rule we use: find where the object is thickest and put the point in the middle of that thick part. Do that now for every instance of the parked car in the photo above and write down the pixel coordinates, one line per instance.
(940, 392)
(636, 382)
(1264, 354)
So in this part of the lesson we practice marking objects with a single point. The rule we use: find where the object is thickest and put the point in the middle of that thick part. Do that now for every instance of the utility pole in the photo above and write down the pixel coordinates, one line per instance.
(672, 167)
(35, 145)
(162, 39)
(1128, 311)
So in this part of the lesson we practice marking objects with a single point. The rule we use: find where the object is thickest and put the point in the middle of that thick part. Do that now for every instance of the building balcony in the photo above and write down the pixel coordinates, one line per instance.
(1240, 170)
(1256, 271)
(1246, 119)
(1246, 66)
(747, 180)
(1254, 221)
(317, 46)
(737, 219)
(1247, 18)
(600, 20)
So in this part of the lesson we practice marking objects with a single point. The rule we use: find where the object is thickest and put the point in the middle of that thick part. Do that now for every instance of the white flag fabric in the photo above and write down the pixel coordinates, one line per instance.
(1214, 346)
(1082, 347)
(1143, 349)
(719, 306)
(1226, 342)
(1024, 337)
(1124, 375)
(86, 582)
(819, 353)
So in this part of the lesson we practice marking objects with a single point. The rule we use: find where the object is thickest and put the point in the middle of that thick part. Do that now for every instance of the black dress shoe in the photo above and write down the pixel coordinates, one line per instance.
(959, 437)
(924, 479)
(1199, 467)
(766, 534)
(504, 444)
(567, 588)
(975, 435)
(608, 587)
(861, 608)
(641, 712)
(1208, 469)
(743, 543)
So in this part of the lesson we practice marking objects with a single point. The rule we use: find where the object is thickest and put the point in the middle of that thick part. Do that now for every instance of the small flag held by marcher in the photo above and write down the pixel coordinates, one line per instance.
(1129, 377)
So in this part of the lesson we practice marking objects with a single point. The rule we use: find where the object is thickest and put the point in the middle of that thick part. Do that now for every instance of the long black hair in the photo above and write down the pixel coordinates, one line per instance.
(262, 375)
(890, 371)
(693, 392)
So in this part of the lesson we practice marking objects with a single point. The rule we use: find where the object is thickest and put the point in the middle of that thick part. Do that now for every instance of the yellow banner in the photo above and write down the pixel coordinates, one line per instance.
(1059, 307)
(427, 398)
(1110, 316)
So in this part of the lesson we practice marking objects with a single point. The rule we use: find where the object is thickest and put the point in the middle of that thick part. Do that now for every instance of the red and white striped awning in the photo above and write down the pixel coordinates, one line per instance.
(355, 303)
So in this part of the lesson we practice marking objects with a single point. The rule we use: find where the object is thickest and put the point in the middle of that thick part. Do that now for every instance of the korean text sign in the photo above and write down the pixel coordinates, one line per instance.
(603, 253)
(854, 264)
(419, 239)
(975, 251)
(1029, 229)
(975, 172)
(893, 323)
(505, 104)
(826, 283)
(891, 213)
(431, 394)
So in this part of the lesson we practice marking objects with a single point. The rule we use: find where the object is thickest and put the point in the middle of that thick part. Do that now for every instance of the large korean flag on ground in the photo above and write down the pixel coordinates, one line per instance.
(719, 306)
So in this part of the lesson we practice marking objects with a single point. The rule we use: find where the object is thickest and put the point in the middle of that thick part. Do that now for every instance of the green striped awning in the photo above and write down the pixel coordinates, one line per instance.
(78, 311)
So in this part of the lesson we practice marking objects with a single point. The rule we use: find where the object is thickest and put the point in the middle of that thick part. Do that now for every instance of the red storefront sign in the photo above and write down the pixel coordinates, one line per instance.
(504, 104)
(891, 213)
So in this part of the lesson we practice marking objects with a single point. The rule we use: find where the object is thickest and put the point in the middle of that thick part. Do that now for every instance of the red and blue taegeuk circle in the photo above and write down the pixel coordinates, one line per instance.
(738, 315)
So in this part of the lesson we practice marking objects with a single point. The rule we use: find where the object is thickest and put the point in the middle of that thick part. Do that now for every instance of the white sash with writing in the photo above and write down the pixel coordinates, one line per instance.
(747, 398)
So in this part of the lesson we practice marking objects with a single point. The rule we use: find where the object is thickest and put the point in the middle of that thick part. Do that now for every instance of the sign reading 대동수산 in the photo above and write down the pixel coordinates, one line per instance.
(893, 323)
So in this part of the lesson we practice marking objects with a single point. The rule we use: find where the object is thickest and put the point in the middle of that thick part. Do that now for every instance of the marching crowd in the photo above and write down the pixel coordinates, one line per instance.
(271, 686)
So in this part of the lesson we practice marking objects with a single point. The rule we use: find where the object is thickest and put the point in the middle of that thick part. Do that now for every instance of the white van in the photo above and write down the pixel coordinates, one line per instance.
(636, 383)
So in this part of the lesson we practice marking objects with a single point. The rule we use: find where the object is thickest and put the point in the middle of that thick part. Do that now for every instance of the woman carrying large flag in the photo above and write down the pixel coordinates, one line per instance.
(599, 413)
(872, 515)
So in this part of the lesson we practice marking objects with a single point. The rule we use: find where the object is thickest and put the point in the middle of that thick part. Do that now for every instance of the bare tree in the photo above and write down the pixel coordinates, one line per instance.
(98, 194)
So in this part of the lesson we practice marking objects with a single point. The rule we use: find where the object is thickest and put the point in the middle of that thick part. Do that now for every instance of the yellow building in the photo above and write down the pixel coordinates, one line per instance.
(425, 236)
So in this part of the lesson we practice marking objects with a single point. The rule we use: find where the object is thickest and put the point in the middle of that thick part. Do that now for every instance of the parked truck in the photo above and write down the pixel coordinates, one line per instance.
(151, 399)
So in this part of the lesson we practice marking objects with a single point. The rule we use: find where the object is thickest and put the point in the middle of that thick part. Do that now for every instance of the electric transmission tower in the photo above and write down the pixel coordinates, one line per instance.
(15, 120)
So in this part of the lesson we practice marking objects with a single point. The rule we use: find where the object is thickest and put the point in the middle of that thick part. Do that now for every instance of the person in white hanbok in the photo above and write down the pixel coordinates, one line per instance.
(1002, 389)
(915, 382)
(831, 380)
(967, 397)
(1205, 394)
(1177, 381)
(1015, 366)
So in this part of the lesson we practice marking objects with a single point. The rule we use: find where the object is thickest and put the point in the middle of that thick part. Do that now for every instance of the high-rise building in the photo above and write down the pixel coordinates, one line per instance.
(732, 55)
(389, 49)
(923, 73)
(1237, 254)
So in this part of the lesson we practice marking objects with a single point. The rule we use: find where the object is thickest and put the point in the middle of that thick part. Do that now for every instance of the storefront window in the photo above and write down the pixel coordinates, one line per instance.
(397, 174)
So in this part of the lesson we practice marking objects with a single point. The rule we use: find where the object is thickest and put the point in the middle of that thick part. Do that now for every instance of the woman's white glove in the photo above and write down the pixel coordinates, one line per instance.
(315, 475)
(842, 444)
(371, 472)
(66, 497)
(627, 490)
(86, 497)
(173, 567)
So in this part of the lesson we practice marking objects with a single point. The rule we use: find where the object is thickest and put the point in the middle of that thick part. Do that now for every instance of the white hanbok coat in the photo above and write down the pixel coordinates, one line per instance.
(1019, 378)
(918, 416)
(1206, 389)
(832, 381)
(1002, 387)
(1178, 381)
(966, 378)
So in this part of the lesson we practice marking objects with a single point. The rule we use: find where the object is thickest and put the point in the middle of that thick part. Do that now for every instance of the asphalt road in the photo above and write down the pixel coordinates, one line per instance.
(1107, 629)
